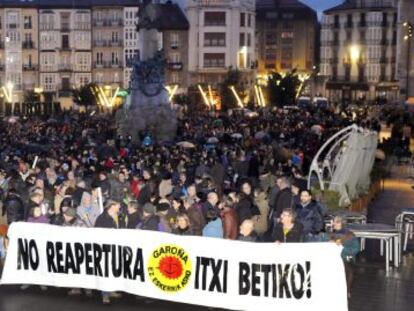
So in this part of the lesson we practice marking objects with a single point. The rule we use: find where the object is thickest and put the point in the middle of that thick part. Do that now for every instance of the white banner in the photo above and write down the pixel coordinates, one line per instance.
(204, 271)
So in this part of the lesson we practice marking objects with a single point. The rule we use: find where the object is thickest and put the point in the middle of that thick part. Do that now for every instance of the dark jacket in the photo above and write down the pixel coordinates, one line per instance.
(133, 220)
(187, 231)
(230, 223)
(15, 208)
(145, 194)
(151, 223)
(284, 199)
(251, 238)
(197, 220)
(106, 221)
(310, 217)
(294, 235)
(246, 208)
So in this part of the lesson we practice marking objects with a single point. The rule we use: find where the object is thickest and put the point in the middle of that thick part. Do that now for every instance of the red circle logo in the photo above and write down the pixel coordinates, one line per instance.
(170, 267)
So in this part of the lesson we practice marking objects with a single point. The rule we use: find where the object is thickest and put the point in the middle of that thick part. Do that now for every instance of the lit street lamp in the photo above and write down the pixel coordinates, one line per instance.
(355, 53)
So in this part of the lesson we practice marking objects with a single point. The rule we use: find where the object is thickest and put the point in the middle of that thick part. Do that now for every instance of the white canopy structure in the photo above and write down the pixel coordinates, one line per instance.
(344, 163)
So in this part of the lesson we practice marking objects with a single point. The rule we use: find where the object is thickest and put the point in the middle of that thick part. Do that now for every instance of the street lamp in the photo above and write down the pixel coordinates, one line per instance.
(407, 37)
(355, 53)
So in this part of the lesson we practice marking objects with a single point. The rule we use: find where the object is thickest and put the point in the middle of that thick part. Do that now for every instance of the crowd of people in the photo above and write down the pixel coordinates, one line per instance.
(235, 177)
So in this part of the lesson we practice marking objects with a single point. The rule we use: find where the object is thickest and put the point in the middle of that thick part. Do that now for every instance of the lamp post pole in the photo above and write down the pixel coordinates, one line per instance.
(407, 37)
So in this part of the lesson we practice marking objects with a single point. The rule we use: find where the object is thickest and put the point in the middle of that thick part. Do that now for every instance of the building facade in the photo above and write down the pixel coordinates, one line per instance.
(358, 51)
(57, 45)
(19, 61)
(286, 36)
(65, 50)
(222, 36)
(405, 52)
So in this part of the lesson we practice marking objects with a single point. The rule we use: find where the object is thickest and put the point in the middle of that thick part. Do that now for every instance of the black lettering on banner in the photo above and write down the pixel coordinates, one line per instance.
(127, 262)
(59, 257)
(225, 275)
(204, 262)
(197, 273)
(116, 268)
(50, 255)
(274, 279)
(88, 258)
(69, 260)
(244, 282)
(33, 255)
(79, 255)
(266, 271)
(255, 280)
(308, 279)
(215, 284)
(283, 281)
(297, 271)
(97, 256)
(139, 266)
(106, 249)
(27, 254)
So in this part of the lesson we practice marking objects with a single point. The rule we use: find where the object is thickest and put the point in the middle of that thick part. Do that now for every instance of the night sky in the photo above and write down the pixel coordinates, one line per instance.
(321, 5)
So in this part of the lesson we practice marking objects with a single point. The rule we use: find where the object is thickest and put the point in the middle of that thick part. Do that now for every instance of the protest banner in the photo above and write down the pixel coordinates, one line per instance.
(205, 271)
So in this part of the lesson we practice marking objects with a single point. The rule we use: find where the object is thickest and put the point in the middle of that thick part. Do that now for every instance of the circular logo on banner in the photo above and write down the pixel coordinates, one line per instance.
(169, 268)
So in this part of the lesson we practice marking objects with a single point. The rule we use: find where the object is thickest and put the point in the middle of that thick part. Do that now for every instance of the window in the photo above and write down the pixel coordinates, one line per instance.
(174, 38)
(287, 37)
(242, 39)
(349, 21)
(65, 41)
(242, 19)
(249, 20)
(212, 60)
(336, 21)
(249, 39)
(271, 38)
(175, 79)
(214, 39)
(27, 22)
(287, 55)
(99, 58)
(114, 58)
(12, 20)
(175, 58)
(215, 19)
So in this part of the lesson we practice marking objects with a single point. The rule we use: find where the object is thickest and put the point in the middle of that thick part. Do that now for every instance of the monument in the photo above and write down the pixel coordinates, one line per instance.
(147, 108)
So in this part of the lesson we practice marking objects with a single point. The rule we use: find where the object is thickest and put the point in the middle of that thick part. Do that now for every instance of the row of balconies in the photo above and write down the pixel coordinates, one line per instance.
(107, 43)
(346, 60)
(108, 22)
(175, 66)
(107, 64)
(360, 24)
(360, 41)
(65, 27)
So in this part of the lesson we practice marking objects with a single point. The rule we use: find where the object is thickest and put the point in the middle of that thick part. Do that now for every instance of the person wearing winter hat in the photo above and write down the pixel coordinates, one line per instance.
(162, 212)
(150, 221)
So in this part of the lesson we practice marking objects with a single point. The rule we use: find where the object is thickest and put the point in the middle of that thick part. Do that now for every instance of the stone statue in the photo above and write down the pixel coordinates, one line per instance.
(147, 107)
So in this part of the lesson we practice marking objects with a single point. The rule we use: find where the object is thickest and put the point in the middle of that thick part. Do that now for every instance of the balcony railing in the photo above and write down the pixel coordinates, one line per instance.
(107, 64)
(108, 22)
(65, 67)
(65, 27)
(28, 86)
(82, 26)
(107, 43)
(30, 67)
(175, 66)
(28, 45)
